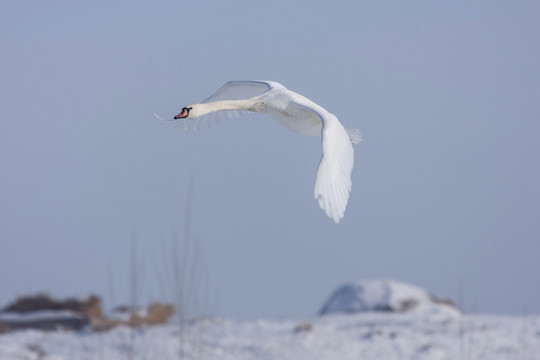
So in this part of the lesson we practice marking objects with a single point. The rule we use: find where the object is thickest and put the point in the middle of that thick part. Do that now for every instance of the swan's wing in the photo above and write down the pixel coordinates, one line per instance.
(333, 182)
(237, 90)
(209, 119)
(232, 90)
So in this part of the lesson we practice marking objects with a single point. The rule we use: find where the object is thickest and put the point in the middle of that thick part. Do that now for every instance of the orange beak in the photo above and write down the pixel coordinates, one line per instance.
(183, 114)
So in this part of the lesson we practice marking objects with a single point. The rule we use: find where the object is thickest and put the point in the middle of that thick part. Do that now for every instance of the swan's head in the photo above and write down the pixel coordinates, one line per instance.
(188, 112)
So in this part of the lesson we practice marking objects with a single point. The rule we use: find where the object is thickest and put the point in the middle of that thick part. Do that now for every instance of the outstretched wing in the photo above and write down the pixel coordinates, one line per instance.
(333, 182)
(232, 90)
(237, 90)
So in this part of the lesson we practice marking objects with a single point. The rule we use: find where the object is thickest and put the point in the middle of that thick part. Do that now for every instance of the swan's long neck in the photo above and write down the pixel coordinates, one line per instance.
(246, 105)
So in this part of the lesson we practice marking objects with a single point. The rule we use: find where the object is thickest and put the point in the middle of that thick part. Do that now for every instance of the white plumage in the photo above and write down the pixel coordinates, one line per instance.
(298, 114)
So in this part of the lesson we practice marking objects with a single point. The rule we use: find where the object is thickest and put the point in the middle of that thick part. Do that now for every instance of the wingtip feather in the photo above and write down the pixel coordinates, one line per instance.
(355, 135)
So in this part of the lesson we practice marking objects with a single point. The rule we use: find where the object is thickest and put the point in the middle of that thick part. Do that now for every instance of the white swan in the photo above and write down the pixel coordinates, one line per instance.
(298, 114)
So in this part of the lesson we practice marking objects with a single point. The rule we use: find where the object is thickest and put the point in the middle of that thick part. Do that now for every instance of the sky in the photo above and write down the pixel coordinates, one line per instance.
(97, 196)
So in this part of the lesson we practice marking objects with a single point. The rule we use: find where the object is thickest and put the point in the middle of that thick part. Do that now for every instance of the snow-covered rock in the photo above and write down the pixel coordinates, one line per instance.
(44, 320)
(388, 296)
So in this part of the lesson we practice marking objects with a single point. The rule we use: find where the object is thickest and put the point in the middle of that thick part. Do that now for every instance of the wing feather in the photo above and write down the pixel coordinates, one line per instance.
(209, 119)
(237, 90)
(333, 182)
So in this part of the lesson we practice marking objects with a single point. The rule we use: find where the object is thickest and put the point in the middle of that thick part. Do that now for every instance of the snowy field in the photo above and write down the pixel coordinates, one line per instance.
(359, 336)
(368, 319)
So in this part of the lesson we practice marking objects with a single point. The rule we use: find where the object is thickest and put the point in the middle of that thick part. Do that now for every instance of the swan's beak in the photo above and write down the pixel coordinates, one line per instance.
(183, 114)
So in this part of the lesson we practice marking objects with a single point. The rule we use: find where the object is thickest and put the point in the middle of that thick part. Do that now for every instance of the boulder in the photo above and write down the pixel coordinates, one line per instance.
(385, 296)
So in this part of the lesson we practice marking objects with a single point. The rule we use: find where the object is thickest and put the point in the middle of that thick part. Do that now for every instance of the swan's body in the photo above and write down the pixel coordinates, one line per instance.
(298, 114)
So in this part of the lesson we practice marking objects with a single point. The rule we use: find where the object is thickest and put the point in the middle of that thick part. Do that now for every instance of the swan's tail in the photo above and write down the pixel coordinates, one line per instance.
(355, 135)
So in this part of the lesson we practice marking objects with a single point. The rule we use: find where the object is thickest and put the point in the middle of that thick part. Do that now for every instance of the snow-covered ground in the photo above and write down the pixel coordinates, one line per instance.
(359, 336)
(369, 319)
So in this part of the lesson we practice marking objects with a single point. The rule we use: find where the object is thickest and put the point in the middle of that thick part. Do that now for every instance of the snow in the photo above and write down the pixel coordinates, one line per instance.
(370, 335)
(370, 319)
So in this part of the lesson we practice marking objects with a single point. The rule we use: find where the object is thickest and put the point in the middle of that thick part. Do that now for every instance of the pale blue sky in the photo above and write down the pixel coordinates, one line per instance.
(445, 185)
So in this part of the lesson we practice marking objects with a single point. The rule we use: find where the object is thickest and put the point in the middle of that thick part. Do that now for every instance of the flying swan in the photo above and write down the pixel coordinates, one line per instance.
(296, 113)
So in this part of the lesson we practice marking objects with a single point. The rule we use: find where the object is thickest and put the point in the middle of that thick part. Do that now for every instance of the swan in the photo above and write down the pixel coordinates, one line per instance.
(296, 113)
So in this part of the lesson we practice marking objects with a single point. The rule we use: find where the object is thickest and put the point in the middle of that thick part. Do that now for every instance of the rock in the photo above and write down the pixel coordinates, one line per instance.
(384, 296)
